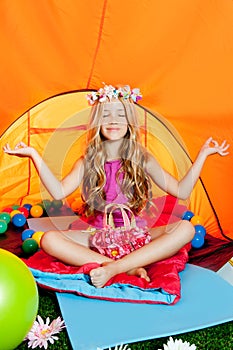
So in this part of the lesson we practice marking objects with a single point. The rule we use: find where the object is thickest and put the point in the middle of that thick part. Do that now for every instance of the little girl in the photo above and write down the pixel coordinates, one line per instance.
(117, 169)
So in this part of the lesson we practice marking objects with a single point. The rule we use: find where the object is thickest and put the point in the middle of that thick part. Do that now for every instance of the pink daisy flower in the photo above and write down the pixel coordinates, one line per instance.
(42, 332)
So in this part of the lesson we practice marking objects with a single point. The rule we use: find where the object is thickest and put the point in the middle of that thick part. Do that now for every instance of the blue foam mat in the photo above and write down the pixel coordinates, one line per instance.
(207, 300)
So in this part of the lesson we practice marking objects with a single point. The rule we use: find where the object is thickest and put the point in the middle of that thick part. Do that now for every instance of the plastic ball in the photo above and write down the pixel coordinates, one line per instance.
(76, 205)
(5, 216)
(57, 204)
(14, 212)
(18, 302)
(187, 215)
(198, 240)
(36, 211)
(24, 211)
(47, 204)
(7, 210)
(37, 236)
(15, 206)
(197, 220)
(27, 233)
(27, 206)
(19, 220)
(3, 226)
(200, 229)
(30, 246)
(40, 204)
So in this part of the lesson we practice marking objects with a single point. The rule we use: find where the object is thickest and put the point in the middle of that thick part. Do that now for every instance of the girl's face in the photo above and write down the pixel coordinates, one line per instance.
(114, 124)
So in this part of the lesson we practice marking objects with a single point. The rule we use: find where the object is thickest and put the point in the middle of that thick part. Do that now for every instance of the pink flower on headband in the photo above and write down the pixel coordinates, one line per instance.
(136, 95)
(109, 92)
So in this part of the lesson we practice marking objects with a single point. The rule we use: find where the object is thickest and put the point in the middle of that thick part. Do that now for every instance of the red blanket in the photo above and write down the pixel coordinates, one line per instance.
(164, 286)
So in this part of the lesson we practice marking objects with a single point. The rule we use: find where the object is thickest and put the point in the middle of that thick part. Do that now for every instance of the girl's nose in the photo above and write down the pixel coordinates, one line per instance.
(112, 119)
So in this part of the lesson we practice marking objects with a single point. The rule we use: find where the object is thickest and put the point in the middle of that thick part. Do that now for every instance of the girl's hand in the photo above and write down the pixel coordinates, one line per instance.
(21, 149)
(211, 146)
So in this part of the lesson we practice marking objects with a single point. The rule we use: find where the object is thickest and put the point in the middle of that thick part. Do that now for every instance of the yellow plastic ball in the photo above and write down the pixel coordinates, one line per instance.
(14, 212)
(197, 220)
(36, 211)
(37, 236)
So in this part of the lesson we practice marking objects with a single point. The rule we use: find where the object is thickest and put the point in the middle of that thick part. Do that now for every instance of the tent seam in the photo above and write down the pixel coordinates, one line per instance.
(29, 161)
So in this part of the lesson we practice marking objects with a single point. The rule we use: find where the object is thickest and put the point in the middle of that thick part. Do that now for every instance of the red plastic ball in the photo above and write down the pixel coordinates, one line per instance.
(24, 211)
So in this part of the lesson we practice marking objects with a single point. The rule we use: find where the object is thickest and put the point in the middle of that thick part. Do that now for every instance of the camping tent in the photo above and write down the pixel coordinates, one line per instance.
(179, 53)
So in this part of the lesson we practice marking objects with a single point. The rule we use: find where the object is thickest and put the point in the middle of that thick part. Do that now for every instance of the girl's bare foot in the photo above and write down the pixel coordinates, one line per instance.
(140, 272)
(101, 275)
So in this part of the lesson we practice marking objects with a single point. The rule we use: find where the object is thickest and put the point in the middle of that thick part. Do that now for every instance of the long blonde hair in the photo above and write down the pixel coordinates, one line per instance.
(136, 185)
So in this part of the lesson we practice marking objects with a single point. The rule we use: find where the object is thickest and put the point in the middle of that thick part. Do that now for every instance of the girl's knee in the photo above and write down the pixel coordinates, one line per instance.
(187, 229)
(48, 240)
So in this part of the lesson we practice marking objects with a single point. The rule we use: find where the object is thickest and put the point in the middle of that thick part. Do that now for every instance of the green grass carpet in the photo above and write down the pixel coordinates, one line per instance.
(212, 338)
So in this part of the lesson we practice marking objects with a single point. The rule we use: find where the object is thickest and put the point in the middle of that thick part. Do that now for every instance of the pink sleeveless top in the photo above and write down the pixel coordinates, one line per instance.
(113, 195)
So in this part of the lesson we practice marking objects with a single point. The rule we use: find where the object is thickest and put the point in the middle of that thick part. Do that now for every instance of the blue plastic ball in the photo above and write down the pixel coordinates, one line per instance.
(19, 220)
(27, 234)
(187, 215)
(200, 229)
(198, 240)
(27, 206)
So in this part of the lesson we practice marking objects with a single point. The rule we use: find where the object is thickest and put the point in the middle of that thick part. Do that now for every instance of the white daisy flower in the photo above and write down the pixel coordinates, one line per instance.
(42, 332)
(178, 345)
(121, 347)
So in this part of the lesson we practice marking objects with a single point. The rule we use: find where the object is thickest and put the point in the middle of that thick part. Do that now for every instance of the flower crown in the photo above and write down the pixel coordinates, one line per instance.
(109, 92)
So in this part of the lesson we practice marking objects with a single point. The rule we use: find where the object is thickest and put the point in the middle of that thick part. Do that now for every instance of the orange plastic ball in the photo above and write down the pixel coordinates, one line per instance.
(76, 205)
(36, 211)
(37, 236)
(197, 220)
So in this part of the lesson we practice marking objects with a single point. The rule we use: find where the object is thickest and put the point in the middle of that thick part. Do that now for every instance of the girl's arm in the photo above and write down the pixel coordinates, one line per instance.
(57, 189)
(183, 188)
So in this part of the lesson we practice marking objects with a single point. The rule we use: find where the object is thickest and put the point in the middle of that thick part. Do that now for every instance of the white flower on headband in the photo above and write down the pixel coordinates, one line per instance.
(109, 92)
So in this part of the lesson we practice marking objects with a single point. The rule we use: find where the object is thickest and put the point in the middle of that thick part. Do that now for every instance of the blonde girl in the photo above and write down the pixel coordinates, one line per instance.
(115, 168)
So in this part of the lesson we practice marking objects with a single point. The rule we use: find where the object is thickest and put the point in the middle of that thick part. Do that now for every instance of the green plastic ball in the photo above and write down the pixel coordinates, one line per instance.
(57, 203)
(47, 204)
(15, 206)
(5, 216)
(30, 246)
(18, 300)
(3, 226)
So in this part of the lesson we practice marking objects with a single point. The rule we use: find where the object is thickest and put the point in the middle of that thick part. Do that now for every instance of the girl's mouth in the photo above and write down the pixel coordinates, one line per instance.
(113, 129)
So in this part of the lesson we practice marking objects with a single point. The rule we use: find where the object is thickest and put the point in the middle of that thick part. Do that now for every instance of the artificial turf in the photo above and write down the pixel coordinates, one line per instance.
(212, 338)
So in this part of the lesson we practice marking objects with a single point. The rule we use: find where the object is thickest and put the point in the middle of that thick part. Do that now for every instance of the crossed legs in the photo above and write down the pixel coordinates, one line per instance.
(72, 248)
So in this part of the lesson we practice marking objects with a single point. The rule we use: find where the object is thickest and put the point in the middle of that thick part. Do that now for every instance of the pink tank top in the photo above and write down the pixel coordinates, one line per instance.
(113, 195)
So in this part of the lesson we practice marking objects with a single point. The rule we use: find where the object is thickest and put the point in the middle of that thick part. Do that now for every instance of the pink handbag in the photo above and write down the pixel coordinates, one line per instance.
(116, 242)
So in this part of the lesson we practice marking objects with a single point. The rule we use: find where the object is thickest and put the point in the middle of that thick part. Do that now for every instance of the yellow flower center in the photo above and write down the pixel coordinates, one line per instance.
(44, 331)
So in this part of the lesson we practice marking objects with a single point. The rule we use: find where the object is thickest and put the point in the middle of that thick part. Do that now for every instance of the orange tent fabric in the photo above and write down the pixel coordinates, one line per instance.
(179, 53)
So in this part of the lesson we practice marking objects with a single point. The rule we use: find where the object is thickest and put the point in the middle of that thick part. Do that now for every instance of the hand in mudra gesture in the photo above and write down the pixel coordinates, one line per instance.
(20, 149)
(211, 146)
